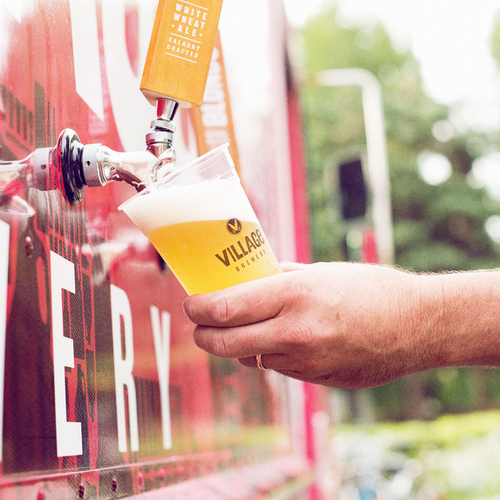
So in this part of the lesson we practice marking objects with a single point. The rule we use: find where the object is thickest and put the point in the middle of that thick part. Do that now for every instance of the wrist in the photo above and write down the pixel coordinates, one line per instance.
(459, 318)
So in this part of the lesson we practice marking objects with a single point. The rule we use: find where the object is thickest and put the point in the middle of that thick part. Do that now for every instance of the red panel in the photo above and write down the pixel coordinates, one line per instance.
(88, 266)
(299, 179)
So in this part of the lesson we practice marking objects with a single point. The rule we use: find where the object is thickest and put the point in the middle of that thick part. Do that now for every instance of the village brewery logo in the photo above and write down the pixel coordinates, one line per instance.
(249, 248)
(233, 226)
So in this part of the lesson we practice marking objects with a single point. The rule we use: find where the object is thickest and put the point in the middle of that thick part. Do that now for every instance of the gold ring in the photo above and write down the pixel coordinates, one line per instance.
(260, 366)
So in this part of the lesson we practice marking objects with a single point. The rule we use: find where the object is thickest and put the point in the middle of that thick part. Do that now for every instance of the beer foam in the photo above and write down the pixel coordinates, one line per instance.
(216, 199)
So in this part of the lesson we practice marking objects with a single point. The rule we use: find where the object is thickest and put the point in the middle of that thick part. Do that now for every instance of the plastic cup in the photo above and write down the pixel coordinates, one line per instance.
(199, 219)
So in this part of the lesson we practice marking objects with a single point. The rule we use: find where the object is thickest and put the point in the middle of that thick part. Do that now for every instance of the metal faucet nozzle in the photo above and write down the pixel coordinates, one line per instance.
(160, 139)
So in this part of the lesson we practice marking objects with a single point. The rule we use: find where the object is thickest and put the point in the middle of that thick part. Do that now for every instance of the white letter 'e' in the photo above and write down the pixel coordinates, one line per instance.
(68, 434)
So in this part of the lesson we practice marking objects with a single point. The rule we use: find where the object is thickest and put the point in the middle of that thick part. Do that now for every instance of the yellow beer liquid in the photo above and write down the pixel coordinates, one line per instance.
(206, 256)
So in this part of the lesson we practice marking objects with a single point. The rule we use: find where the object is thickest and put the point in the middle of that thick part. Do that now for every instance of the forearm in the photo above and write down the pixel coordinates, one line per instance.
(460, 318)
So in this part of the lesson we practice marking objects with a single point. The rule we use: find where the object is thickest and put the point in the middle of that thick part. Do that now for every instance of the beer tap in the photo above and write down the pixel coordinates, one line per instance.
(177, 64)
(174, 76)
(159, 140)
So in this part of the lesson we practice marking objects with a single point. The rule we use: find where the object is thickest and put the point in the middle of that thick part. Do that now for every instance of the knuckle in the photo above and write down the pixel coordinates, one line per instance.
(310, 365)
(219, 346)
(221, 310)
(297, 289)
(302, 334)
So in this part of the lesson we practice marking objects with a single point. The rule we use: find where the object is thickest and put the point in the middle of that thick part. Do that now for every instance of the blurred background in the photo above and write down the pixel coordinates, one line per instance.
(434, 434)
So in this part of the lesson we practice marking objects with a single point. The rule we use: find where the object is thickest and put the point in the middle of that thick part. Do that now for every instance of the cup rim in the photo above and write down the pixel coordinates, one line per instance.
(201, 160)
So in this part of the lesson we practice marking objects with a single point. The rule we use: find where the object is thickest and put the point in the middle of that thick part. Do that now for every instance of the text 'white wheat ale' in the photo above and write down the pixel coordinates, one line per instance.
(202, 224)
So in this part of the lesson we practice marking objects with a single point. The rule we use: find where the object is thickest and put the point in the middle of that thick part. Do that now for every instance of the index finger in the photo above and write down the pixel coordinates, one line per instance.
(242, 304)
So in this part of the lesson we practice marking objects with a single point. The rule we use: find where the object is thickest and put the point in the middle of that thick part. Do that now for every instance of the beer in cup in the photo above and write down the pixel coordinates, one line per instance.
(199, 219)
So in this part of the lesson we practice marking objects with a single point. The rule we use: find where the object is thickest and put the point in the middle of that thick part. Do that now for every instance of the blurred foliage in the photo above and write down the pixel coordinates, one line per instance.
(435, 227)
(429, 394)
(454, 457)
(444, 432)
(495, 39)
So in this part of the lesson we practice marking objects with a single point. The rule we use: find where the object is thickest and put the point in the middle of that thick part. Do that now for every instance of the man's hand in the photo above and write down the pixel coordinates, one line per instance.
(353, 325)
(342, 325)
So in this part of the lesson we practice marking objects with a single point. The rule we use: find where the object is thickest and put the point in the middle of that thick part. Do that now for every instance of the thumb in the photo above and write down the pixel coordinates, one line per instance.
(238, 305)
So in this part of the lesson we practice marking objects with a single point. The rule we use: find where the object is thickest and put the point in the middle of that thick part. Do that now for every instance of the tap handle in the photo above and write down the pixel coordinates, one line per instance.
(180, 51)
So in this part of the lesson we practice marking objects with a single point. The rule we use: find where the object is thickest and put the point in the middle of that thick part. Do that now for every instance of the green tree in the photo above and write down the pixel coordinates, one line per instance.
(435, 227)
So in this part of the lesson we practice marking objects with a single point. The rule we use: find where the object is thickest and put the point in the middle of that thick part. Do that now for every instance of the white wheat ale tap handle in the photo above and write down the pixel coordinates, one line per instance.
(180, 51)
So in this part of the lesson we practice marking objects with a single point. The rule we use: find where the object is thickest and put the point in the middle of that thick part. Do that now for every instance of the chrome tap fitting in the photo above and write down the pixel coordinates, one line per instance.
(160, 139)
(94, 165)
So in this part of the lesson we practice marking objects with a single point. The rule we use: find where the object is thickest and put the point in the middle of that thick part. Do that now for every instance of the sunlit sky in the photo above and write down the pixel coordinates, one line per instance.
(450, 38)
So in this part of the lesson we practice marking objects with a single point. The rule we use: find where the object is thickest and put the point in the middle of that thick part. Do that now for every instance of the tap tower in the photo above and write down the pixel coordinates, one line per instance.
(175, 75)
(177, 64)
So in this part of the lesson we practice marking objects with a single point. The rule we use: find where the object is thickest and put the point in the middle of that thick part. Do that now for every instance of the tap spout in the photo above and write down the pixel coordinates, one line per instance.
(160, 138)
